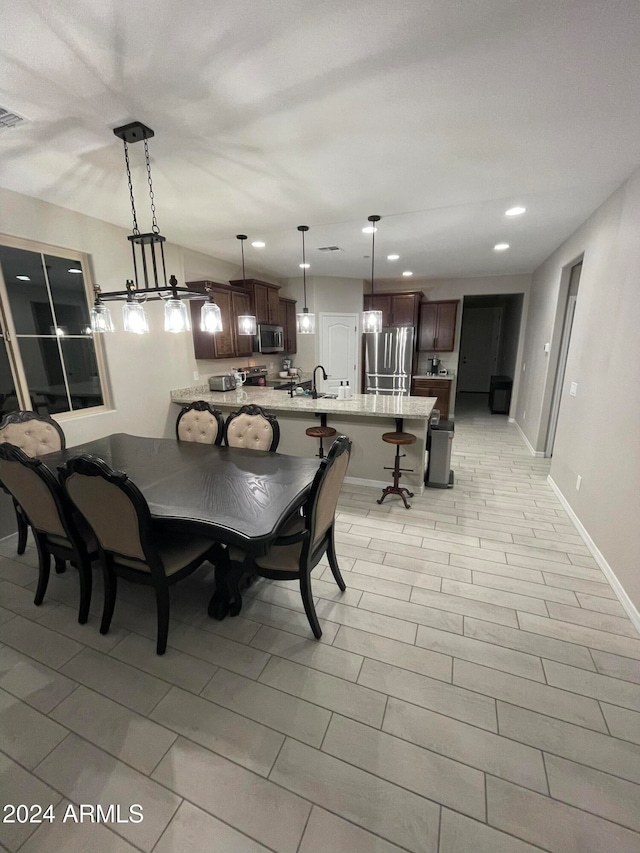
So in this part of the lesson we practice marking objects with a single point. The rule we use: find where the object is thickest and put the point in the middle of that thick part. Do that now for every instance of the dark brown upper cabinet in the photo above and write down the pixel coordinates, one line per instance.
(398, 309)
(227, 343)
(438, 326)
(266, 302)
(288, 322)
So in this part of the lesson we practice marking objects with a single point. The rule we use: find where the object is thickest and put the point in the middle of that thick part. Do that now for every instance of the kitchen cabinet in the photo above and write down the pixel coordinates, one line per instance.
(398, 309)
(438, 326)
(288, 322)
(266, 302)
(227, 343)
(425, 386)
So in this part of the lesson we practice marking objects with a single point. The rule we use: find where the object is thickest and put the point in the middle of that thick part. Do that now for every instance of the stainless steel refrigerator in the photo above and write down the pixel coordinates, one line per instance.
(388, 361)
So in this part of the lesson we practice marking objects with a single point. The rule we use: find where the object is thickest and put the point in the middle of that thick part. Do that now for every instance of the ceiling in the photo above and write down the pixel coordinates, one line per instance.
(438, 116)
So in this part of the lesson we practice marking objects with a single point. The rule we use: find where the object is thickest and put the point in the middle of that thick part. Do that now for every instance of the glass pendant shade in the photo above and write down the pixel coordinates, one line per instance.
(371, 322)
(134, 318)
(210, 318)
(176, 316)
(247, 325)
(306, 323)
(101, 319)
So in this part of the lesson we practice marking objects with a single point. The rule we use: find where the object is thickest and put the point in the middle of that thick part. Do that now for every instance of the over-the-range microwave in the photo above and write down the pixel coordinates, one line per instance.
(269, 339)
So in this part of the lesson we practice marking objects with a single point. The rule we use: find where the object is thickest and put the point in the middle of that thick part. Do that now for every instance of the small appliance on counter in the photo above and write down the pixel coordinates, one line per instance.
(434, 366)
(256, 375)
(222, 382)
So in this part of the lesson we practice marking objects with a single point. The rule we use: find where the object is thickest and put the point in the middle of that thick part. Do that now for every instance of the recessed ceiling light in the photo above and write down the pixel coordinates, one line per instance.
(76, 270)
(514, 211)
(258, 244)
(369, 229)
(501, 247)
(23, 278)
(392, 257)
(407, 273)
(304, 266)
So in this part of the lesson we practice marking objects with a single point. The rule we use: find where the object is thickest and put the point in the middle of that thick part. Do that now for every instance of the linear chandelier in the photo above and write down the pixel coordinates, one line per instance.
(149, 281)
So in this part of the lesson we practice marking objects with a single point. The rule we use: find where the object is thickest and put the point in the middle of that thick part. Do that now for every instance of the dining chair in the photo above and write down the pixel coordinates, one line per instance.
(129, 543)
(253, 428)
(57, 528)
(200, 422)
(35, 435)
(304, 540)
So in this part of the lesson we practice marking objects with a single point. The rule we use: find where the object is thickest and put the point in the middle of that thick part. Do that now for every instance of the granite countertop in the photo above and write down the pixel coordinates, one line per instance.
(367, 405)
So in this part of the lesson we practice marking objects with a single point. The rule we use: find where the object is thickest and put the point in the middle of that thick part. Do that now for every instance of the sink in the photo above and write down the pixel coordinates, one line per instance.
(327, 396)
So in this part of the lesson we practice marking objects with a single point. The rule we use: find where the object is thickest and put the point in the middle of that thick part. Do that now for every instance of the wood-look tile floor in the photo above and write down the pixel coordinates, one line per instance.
(477, 688)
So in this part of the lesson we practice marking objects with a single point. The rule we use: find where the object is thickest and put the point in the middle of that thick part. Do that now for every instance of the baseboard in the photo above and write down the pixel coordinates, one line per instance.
(526, 440)
(616, 586)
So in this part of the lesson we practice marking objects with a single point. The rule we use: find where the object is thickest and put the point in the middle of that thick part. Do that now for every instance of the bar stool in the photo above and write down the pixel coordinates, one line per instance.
(399, 438)
(322, 431)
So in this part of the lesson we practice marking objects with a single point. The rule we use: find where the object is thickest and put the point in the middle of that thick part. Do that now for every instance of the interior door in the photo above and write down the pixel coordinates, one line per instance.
(479, 344)
(338, 351)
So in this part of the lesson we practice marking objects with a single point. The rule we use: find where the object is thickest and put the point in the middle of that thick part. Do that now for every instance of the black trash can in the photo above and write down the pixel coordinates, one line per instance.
(500, 394)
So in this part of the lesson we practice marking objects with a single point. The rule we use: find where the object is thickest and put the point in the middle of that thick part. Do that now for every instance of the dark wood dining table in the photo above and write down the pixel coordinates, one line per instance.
(236, 497)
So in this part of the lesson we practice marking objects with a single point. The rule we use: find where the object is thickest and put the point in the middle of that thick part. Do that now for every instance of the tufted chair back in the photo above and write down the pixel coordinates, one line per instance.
(251, 427)
(34, 434)
(199, 422)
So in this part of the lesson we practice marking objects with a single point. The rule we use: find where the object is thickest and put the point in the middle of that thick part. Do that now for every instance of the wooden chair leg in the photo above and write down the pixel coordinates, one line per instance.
(44, 568)
(23, 528)
(333, 562)
(86, 583)
(162, 604)
(110, 590)
(309, 608)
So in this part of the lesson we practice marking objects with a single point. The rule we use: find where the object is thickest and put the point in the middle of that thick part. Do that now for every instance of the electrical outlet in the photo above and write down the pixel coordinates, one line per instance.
(578, 482)
(524, 415)
(547, 347)
(573, 389)
(524, 367)
(196, 375)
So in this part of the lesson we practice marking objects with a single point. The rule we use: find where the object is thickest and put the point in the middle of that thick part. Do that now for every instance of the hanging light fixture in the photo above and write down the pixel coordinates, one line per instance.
(134, 318)
(247, 323)
(372, 320)
(305, 322)
(148, 259)
(100, 317)
(210, 314)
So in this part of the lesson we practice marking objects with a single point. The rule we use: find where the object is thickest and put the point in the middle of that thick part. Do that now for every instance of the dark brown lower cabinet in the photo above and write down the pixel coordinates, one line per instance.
(440, 388)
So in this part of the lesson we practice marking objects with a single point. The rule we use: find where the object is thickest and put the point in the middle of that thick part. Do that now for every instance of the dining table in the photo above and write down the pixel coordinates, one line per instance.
(234, 496)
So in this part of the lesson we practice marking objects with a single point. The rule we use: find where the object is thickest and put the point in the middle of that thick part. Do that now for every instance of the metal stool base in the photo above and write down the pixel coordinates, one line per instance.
(396, 488)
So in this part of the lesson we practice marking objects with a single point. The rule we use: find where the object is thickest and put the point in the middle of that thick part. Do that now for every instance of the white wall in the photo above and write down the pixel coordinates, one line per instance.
(598, 433)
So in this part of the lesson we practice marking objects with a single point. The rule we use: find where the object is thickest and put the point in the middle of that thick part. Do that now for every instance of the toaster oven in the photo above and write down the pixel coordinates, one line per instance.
(222, 382)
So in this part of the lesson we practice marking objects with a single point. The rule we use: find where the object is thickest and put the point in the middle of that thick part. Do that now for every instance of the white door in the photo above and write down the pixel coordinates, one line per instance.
(338, 351)
(479, 344)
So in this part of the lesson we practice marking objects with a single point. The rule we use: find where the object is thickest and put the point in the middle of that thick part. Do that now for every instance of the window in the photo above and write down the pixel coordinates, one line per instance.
(48, 359)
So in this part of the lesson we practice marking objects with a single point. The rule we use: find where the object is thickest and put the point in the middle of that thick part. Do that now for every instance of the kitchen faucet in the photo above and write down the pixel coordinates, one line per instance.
(314, 390)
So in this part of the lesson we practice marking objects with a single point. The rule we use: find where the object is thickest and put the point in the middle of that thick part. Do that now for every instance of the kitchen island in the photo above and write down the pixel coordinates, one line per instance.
(364, 418)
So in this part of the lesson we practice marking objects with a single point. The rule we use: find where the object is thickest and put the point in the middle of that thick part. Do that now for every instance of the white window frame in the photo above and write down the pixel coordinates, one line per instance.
(12, 339)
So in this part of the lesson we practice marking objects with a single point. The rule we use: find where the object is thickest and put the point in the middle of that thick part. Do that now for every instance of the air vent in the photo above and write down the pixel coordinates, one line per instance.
(329, 249)
(9, 119)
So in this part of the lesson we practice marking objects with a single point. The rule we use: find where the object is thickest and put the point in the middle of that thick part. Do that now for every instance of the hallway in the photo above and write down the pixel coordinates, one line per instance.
(476, 689)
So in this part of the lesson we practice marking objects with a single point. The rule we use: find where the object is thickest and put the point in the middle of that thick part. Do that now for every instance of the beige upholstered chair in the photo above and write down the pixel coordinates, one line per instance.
(130, 543)
(200, 422)
(304, 540)
(57, 529)
(35, 435)
(251, 427)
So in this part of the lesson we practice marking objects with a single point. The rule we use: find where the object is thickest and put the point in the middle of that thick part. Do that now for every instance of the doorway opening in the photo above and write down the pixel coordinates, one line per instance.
(558, 385)
(488, 346)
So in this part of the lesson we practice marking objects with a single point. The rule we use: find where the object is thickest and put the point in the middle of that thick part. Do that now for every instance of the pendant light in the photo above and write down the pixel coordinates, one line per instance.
(134, 318)
(247, 323)
(210, 314)
(149, 270)
(100, 316)
(305, 322)
(372, 320)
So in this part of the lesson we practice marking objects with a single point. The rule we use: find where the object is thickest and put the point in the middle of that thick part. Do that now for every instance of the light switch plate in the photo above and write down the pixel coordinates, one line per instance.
(573, 389)
(196, 375)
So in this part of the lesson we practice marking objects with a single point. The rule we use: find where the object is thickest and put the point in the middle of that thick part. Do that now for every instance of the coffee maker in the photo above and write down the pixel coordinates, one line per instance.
(434, 365)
